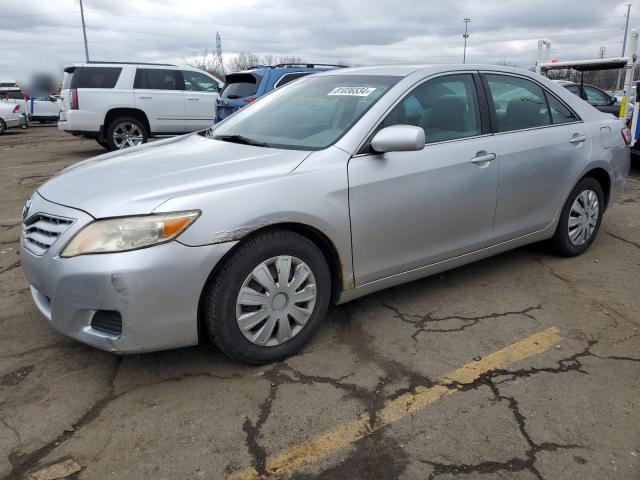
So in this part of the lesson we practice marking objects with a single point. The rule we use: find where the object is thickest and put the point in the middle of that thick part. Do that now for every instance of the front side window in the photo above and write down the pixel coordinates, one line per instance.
(518, 103)
(445, 107)
(310, 114)
(156, 79)
(199, 82)
(595, 96)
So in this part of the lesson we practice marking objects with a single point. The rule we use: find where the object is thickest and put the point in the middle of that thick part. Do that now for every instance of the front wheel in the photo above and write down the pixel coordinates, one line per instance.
(126, 133)
(580, 218)
(3, 127)
(268, 298)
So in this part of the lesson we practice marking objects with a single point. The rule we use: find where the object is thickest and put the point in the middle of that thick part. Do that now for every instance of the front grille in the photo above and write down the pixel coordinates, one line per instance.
(41, 230)
(107, 321)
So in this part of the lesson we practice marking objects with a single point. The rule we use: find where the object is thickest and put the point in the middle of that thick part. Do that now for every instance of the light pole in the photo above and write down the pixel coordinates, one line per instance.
(624, 41)
(465, 36)
(84, 32)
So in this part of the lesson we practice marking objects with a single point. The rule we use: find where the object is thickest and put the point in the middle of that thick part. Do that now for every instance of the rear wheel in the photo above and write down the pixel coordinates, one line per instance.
(103, 143)
(580, 218)
(269, 298)
(126, 132)
(3, 126)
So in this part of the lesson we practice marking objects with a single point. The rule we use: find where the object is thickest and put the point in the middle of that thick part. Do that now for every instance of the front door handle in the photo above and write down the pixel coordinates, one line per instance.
(577, 139)
(145, 97)
(193, 99)
(483, 158)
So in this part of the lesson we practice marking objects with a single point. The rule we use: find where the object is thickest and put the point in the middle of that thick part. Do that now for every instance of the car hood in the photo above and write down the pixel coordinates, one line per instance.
(138, 180)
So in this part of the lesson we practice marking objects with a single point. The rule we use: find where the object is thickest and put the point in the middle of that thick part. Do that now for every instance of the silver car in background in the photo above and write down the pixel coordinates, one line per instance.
(335, 186)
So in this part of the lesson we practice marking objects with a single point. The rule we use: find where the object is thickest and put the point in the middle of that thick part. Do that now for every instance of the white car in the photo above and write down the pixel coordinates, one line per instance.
(122, 104)
(42, 108)
(11, 117)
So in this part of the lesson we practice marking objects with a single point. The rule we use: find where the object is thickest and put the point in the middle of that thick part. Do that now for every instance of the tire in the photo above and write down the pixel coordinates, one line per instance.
(562, 241)
(222, 306)
(3, 127)
(102, 143)
(119, 127)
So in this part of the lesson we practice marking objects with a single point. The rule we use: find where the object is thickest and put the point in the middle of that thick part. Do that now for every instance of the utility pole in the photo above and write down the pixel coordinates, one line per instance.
(84, 32)
(603, 51)
(219, 51)
(465, 36)
(624, 41)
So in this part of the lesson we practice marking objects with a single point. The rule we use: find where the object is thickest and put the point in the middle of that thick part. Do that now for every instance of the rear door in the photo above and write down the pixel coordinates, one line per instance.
(158, 92)
(200, 94)
(541, 145)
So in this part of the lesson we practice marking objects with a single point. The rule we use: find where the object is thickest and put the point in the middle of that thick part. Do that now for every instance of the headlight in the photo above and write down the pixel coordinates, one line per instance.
(128, 233)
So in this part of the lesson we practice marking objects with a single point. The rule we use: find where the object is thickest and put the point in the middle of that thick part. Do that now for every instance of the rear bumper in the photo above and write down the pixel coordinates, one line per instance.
(155, 290)
(80, 121)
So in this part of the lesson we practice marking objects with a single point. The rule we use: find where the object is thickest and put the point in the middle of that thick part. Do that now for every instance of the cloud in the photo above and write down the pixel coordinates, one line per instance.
(48, 35)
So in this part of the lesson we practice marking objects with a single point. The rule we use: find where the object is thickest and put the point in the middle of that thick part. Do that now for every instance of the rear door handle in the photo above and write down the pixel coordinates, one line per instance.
(484, 158)
(145, 97)
(193, 99)
(577, 139)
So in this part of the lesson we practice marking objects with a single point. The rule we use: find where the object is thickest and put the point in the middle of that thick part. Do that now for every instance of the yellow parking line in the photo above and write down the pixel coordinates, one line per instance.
(292, 459)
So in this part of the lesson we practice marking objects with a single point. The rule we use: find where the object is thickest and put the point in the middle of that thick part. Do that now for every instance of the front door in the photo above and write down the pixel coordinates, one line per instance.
(158, 93)
(412, 209)
(200, 95)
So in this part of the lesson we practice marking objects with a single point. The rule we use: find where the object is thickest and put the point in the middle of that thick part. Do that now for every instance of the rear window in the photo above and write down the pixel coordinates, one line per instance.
(95, 77)
(241, 85)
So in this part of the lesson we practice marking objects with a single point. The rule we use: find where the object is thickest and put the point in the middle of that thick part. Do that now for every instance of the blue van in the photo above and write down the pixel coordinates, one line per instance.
(242, 88)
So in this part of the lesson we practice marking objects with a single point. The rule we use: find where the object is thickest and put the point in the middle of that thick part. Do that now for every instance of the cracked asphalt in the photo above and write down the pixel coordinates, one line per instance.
(570, 410)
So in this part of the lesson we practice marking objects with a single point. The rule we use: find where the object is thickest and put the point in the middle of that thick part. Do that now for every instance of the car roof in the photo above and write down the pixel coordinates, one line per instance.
(425, 69)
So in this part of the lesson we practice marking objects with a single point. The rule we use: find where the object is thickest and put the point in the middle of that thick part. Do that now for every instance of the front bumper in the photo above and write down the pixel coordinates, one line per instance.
(156, 290)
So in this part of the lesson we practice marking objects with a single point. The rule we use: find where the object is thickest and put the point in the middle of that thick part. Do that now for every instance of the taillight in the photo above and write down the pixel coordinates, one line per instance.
(74, 99)
(16, 109)
(626, 135)
(249, 99)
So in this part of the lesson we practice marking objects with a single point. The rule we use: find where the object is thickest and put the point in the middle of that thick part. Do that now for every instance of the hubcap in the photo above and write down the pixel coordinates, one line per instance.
(127, 134)
(583, 217)
(276, 300)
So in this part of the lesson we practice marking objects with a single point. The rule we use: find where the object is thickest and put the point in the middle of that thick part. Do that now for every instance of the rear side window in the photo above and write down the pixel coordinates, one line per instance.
(595, 96)
(240, 85)
(288, 77)
(559, 112)
(95, 77)
(156, 79)
(518, 103)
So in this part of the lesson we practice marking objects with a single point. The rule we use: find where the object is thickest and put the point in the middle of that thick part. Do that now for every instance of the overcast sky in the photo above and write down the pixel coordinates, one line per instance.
(44, 35)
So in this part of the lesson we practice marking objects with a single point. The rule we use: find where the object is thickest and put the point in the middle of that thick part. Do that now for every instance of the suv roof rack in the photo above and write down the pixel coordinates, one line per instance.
(294, 64)
(309, 65)
(133, 63)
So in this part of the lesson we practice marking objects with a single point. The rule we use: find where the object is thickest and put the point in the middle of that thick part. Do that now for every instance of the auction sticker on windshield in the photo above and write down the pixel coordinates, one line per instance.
(352, 91)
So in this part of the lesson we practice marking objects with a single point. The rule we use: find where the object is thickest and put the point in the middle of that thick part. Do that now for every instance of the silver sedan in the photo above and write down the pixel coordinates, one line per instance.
(335, 186)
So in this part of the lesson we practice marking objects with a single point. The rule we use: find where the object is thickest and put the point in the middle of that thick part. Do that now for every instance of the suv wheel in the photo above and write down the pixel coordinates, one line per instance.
(269, 297)
(126, 132)
(580, 219)
(3, 126)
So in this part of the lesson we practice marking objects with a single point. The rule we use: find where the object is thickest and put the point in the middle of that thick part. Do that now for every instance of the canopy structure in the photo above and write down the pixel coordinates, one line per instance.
(586, 65)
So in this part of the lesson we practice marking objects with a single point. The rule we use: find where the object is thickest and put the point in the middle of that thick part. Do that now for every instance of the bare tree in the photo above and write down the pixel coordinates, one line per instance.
(289, 60)
(208, 61)
(506, 63)
(243, 61)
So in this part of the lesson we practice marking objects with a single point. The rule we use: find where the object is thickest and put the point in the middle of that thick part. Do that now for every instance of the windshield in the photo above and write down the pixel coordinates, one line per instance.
(308, 114)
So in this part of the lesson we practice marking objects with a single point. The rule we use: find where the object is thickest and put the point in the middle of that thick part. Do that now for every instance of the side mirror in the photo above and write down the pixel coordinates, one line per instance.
(398, 138)
(612, 100)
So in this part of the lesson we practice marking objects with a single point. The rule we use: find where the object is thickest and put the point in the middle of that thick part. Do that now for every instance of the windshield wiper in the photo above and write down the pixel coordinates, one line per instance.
(240, 139)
